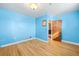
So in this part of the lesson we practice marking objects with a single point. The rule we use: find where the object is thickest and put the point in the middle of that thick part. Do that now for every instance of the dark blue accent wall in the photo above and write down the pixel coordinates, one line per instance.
(15, 27)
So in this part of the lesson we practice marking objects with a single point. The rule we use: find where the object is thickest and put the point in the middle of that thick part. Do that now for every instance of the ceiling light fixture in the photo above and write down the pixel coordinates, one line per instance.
(33, 6)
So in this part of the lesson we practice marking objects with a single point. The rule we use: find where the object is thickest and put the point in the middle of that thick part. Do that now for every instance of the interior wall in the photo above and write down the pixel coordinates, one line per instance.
(41, 32)
(15, 27)
(70, 27)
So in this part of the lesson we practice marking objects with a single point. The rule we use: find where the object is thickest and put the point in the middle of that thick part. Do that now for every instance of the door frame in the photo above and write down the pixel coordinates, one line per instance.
(51, 29)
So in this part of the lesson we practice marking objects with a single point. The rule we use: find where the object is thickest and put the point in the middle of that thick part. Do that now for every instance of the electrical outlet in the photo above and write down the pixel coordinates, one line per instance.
(30, 37)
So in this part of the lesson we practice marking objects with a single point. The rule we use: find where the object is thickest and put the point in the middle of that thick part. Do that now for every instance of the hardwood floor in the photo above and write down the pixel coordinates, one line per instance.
(39, 48)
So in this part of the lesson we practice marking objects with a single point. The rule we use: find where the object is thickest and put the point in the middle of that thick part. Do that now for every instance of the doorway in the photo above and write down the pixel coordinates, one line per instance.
(55, 29)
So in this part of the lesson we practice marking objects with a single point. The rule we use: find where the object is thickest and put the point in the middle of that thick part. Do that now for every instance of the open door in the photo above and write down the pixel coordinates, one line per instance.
(55, 28)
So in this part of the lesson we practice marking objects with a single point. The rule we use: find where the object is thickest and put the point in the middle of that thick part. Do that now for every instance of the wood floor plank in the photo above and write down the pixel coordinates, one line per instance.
(39, 48)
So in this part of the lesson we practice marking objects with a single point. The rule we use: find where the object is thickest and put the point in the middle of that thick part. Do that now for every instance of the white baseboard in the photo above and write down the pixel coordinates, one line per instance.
(17, 42)
(70, 42)
(41, 39)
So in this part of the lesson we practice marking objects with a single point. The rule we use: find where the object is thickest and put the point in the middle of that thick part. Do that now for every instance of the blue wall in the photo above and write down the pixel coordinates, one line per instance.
(41, 32)
(15, 27)
(70, 27)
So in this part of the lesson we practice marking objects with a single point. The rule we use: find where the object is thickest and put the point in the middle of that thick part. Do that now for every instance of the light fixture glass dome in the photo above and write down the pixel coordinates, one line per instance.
(33, 6)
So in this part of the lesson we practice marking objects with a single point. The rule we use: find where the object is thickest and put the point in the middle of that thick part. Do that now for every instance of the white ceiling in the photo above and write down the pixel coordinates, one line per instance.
(43, 8)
